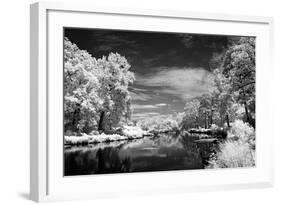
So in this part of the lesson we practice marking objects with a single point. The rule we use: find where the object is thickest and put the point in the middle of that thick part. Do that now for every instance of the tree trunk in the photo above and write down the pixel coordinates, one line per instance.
(76, 118)
(211, 118)
(247, 112)
(100, 128)
(227, 121)
(206, 120)
(221, 119)
(246, 108)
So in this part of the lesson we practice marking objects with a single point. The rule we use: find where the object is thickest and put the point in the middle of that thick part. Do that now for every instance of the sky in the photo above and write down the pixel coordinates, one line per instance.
(170, 68)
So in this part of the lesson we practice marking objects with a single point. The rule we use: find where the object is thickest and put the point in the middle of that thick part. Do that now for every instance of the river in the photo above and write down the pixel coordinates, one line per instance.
(162, 153)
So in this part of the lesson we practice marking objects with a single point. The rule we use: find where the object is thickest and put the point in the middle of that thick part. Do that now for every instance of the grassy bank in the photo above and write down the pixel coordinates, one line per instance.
(128, 133)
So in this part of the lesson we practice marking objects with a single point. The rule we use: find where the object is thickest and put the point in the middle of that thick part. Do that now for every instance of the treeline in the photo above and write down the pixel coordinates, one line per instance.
(233, 96)
(161, 123)
(96, 91)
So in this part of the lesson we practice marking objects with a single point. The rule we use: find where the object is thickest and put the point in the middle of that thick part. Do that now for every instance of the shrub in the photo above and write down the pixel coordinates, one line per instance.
(133, 132)
(233, 154)
(238, 150)
(214, 127)
(242, 131)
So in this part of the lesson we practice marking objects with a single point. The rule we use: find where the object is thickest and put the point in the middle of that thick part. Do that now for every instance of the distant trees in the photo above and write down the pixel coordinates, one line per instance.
(160, 124)
(207, 109)
(191, 114)
(96, 90)
(201, 112)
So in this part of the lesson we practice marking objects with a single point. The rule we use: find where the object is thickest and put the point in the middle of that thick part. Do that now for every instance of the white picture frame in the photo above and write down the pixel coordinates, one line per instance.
(47, 182)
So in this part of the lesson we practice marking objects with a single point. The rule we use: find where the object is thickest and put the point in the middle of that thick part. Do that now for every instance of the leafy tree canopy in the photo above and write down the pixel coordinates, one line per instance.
(96, 90)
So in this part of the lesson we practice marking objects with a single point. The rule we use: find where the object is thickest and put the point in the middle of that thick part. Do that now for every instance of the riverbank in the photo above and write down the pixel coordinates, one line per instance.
(128, 133)
(219, 132)
(92, 139)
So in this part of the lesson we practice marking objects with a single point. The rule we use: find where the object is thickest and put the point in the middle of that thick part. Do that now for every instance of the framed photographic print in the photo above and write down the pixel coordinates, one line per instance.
(128, 101)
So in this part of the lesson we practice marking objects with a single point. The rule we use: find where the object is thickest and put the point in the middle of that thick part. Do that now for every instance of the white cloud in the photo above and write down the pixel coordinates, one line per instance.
(138, 106)
(140, 96)
(144, 115)
(138, 89)
(161, 105)
(183, 82)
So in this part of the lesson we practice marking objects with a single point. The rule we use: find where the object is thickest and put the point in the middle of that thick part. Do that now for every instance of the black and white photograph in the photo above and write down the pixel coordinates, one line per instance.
(143, 101)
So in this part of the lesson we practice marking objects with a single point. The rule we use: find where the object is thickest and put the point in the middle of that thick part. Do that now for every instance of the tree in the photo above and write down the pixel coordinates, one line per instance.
(239, 68)
(207, 109)
(116, 100)
(191, 114)
(81, 87)
(234, 71)
(96, 90)
(223, 96)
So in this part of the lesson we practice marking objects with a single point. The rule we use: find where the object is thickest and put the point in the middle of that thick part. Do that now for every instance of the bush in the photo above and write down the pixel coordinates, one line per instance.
(242, 131)
(133, 132)
(214, 127)
(238, 150)
(233, 154)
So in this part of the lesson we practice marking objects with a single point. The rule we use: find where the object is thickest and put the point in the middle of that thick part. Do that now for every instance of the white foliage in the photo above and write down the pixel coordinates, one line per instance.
(242, 131)
(94, 86)
(133, 131)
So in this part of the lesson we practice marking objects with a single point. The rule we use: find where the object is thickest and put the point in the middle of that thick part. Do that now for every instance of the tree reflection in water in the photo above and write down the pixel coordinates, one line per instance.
(109, 161)
(193, 156)
(88, 160)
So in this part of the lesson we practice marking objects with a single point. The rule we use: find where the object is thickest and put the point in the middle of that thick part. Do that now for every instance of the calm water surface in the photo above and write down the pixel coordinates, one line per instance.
(163, 153)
